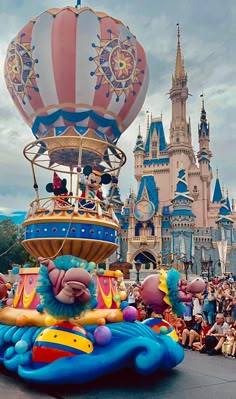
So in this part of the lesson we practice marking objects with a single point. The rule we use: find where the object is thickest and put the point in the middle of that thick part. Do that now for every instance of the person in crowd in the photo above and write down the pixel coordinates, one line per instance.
(188, 315)
(216, 336)
(209, 305)
(232, 308)
(219, 299)
(227, 300)
(197, 304)
(179, 328)
(142, 315)
(228, 347)
(192, 335)
(137, 296)
(198, 345)
(131, 297)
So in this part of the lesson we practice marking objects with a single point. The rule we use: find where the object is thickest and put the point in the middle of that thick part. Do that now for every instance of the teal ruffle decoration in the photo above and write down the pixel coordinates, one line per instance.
(58, 309)
(172, 280)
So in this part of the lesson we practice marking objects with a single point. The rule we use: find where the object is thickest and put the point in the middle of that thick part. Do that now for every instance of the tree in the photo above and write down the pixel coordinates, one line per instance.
(11, 249)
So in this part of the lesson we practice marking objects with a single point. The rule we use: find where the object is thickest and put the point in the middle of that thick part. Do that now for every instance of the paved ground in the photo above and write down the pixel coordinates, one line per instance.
(199, 376)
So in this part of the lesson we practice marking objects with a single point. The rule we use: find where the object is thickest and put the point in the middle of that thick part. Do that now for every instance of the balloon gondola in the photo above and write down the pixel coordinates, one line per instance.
(79, 78)
(62, 225)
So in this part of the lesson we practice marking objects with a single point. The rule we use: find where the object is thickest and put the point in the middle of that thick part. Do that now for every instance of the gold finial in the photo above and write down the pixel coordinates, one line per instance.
(179, 65)
(217, 173)
(227, 192)
(223, 190)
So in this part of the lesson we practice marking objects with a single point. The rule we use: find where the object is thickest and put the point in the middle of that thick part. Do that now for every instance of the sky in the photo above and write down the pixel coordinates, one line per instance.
(208, 33)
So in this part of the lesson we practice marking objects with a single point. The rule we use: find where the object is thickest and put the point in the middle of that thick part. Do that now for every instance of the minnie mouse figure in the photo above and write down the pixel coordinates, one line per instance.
(95, 177)
(58, 188)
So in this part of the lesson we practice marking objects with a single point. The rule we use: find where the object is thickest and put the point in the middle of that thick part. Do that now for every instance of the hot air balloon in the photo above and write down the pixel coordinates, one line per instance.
(78, 78)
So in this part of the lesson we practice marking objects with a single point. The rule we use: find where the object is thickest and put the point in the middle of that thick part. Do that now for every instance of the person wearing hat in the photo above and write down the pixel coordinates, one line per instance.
(59, 189)
(95, 177)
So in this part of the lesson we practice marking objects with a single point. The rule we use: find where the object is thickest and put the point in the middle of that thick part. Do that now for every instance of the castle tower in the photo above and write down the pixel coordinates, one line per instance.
(180, 149)
(217, 195)
(182, 219)
(204, 156)
(138, 157)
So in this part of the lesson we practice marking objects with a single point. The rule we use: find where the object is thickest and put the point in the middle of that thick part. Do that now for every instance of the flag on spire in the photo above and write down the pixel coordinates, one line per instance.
(78, 4)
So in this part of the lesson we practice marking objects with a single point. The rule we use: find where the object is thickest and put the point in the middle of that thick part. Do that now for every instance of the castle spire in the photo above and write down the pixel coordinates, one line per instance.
(179, 64)
(217, 196)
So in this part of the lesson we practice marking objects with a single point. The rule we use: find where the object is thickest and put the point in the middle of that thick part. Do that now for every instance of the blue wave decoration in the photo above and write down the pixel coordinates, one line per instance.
(131, 344)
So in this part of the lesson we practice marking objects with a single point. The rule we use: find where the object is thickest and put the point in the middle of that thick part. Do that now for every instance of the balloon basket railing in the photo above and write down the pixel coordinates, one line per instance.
(70, 150)
(85, 228)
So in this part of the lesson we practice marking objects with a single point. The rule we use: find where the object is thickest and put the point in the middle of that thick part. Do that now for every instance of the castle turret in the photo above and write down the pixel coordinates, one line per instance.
(180, 149)
(116, 199)
(179, 128)
(182, 218)
(204, 156)
(138, 157)
(217, 195)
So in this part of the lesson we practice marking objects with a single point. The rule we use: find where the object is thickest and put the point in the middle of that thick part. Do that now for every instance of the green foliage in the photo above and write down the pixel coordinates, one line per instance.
(11, 234)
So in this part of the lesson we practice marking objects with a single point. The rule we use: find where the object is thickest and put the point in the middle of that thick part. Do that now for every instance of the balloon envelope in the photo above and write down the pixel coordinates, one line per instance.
(76, 67)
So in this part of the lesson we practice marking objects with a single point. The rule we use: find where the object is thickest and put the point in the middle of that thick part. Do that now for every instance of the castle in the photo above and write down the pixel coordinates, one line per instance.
(174, 219)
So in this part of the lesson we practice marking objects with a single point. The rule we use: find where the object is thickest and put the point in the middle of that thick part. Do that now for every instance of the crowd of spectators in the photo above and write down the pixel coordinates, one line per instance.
(209, 322)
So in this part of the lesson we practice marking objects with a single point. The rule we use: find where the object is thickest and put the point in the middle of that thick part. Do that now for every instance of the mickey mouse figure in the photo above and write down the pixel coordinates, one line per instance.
(58, 188)
(92, 187)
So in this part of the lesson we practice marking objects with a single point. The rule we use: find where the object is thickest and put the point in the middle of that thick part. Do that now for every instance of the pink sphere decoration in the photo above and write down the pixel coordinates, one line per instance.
(102, 335)
(79, 168)
(130, 313)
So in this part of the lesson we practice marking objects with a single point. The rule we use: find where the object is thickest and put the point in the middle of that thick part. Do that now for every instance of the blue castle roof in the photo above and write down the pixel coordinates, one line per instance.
(217, 196)
(156, 127)
(139, 146)
(224, 212)
(148, 184)
(182, 191)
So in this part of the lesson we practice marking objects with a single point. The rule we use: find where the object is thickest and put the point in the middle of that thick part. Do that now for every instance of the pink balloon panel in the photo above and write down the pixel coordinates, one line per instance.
(77, 67)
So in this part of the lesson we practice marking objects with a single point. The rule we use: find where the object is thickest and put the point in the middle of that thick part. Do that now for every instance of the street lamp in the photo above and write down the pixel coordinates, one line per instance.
(137, 265)
(186, 266)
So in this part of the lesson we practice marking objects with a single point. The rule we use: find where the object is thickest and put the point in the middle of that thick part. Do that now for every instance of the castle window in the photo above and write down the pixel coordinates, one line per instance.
(177, 140)
(154, 144)
(177, 165)
(154, 154)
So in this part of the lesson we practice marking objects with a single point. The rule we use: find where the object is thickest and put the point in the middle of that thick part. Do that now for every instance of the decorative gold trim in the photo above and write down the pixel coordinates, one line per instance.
(107, 298)
(28, 298)
(9, 315)
(30, 270)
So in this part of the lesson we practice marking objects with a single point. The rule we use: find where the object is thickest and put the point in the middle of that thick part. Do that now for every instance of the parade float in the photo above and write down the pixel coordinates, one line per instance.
(79, 78)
